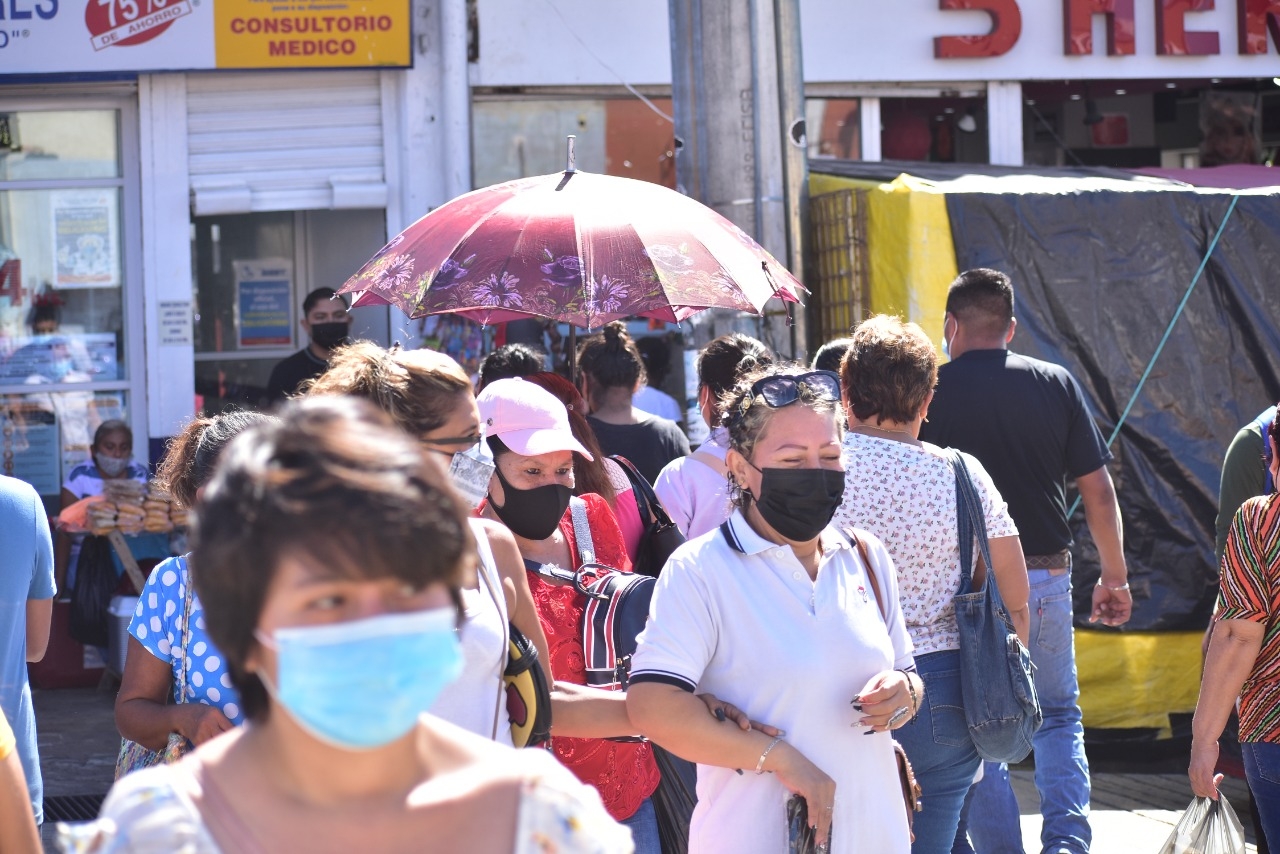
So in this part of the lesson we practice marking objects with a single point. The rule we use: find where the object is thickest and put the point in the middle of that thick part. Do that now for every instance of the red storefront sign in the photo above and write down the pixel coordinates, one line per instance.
(1257, 19)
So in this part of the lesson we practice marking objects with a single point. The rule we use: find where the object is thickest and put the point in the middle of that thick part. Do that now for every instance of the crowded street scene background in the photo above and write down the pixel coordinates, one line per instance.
(664, 427)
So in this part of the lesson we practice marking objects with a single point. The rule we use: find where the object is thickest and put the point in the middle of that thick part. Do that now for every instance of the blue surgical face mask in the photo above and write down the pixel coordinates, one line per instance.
(362, 684)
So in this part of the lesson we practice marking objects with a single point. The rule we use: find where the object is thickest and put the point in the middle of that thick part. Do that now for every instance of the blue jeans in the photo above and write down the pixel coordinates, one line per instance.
(941, 753)
(1262, 770)
(1062, 771)
(644, 829)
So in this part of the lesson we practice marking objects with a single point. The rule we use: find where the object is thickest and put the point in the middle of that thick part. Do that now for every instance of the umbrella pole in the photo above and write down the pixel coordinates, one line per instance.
(573, 354)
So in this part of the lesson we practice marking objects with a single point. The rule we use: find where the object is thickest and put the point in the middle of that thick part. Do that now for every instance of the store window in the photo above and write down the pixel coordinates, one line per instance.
(519, 137)
(835, 129)
(65, 294)
(252, 272)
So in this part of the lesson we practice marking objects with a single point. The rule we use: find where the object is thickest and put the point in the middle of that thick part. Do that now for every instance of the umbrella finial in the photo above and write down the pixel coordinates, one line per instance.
(570, 164)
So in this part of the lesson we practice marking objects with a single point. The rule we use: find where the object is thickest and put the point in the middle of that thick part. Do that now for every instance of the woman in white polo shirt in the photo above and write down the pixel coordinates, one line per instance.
(776, 612)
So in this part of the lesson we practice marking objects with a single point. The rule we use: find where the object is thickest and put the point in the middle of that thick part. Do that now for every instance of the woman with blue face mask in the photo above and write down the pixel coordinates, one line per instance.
(429, 396)
(329, 555)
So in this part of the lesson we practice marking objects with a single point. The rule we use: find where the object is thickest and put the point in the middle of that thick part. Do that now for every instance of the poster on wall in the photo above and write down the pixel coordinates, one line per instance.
(29, 447)
(105, 36)
(264, 303)
(86, 235)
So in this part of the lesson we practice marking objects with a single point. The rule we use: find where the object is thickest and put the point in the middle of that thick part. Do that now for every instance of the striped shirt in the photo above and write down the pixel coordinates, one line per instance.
(1251, 591)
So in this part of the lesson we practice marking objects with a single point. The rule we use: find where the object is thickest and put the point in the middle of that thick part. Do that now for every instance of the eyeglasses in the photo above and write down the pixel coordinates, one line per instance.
(785, 389)
(455, 440)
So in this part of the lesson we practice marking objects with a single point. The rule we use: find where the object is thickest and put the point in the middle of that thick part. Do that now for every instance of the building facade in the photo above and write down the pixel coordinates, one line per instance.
(176, 174)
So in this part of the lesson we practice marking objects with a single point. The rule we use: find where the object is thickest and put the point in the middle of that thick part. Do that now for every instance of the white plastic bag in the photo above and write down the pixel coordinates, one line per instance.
(1206, 827)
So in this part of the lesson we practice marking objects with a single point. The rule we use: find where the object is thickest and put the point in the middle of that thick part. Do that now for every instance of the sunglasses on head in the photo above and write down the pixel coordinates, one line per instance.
(785, 389)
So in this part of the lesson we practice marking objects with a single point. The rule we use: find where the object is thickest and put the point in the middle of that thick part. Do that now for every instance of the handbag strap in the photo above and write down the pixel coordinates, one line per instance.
(971, 526)
(871, 572)
(494, 586)
(184, 669)
(653, 514)
(644, 503)
(582, 530)
(711, 461)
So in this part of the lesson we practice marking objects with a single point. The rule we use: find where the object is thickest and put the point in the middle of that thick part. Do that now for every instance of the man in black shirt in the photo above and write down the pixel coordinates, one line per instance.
(327, 324)
(1028, 424)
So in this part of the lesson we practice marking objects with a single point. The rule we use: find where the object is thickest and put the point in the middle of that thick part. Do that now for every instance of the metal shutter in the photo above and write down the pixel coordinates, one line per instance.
(285, 141)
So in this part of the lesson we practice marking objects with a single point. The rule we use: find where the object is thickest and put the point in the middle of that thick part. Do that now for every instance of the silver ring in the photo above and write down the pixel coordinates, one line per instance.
(898, 714)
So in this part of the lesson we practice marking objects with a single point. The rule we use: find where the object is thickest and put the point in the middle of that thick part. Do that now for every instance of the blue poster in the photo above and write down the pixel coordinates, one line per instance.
(264, 303)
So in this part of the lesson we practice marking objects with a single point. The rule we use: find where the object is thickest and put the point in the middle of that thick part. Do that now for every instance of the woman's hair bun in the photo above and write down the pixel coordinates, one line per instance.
(616, 331)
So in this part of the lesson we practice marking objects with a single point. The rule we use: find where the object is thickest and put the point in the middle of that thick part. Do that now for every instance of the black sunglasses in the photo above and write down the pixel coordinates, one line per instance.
(785, 389)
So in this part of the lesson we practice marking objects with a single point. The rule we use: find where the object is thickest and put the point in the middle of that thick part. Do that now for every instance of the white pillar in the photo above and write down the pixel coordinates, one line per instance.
(869, 123)
(166, 252)
(455, 97)
(1004, 123)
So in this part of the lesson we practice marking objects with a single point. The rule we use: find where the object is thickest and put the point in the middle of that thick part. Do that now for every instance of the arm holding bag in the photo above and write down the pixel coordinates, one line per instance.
(1206, 827)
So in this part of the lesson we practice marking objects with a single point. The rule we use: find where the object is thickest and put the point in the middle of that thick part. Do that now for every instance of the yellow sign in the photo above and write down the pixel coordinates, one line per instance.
(322, 34)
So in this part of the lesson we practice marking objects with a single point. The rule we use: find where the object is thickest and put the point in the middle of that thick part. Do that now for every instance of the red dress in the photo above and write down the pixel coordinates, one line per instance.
(623, 773)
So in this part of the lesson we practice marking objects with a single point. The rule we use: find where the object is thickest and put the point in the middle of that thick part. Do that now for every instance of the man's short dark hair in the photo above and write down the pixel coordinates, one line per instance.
(982, 300)
(830, 354)
(510, 361)
(319, 295)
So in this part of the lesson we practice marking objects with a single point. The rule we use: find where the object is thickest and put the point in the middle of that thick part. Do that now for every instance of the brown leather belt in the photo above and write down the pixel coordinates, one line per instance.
(1057, 563)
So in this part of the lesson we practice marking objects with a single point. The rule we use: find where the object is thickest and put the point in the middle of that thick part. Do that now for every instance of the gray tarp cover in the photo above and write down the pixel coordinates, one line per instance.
(1097, 277)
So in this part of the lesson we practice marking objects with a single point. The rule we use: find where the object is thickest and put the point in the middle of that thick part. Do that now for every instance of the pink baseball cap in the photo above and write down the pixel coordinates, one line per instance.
(527, 418)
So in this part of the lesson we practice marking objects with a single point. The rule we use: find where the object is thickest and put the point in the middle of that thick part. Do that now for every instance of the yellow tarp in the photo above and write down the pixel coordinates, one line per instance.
(911, 257)
(1137, 679)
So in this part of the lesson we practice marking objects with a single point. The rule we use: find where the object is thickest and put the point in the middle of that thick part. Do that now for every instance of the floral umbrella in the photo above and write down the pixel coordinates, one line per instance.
(576, 247)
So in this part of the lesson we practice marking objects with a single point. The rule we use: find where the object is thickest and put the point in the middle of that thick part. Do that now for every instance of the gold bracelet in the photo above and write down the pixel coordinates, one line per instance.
(763, 756)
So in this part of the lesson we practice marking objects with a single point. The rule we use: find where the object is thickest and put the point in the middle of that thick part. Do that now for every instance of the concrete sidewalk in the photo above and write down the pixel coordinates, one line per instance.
(1133, 811)
(1130, 813)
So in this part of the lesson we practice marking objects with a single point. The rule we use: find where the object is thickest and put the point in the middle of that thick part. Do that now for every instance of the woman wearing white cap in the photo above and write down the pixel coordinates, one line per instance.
(527, 428)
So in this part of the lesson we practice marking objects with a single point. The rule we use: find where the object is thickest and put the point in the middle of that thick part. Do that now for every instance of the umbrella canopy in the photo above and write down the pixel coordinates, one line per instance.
(577, 247)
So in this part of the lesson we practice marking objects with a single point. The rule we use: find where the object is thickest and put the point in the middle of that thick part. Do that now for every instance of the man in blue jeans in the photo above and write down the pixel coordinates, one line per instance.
(1028, 424)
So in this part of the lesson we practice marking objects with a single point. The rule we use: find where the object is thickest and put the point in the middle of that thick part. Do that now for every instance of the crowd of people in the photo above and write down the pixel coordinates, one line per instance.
(329, 666)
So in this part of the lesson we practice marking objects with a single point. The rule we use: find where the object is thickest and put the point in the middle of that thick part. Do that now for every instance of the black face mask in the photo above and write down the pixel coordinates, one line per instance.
(799, 503)
(330, 335)
(531, 513)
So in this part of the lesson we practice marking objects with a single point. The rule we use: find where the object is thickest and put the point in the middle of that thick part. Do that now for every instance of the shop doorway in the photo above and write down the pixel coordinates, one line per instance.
(251, 273)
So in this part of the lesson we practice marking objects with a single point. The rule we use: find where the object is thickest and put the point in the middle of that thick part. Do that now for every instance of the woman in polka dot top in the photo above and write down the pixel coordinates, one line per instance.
(160, 634)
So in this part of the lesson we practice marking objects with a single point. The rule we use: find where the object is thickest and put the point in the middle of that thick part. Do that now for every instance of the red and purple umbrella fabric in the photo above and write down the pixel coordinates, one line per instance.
(577, 247)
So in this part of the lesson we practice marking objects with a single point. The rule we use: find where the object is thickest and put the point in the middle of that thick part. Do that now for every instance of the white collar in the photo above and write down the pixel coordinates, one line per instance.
(744, 539)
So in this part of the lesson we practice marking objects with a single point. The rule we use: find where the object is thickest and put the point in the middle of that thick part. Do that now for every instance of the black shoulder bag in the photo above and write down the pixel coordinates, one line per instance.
(661, 536)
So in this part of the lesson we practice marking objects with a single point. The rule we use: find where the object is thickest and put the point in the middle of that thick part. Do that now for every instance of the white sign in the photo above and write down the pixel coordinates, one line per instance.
(174, 321)
(86, 238)
(581, 43)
